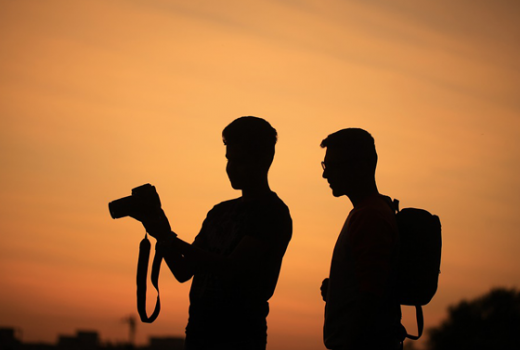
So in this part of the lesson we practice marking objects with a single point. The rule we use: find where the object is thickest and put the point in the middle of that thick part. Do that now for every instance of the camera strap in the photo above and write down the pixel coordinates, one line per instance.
(142, 272)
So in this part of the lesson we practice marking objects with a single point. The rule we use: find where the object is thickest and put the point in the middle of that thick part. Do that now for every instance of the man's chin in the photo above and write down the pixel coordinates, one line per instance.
(235, 185)
(336, 193)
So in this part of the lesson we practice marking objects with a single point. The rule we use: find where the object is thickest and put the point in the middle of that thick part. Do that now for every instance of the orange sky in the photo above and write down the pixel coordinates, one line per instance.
(98, 97)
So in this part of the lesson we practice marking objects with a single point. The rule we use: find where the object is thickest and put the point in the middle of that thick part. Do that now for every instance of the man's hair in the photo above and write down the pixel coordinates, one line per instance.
(355, 144)
(255, 135)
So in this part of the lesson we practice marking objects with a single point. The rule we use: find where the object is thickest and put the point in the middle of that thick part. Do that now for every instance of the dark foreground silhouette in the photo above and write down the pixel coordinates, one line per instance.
(361, 310)
(491, 321)
(236, 258)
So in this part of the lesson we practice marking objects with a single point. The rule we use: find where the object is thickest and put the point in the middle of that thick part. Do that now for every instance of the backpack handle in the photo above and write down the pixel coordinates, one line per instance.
(420, 323)
(395, 204)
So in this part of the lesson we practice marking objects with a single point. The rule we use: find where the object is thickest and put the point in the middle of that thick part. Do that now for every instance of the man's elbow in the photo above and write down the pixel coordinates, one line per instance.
(183, 277)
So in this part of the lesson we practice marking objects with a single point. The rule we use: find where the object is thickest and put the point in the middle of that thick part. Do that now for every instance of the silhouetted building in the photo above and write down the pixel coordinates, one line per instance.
(166, 343)
(8, 339)
(84, 340)
(37, 346)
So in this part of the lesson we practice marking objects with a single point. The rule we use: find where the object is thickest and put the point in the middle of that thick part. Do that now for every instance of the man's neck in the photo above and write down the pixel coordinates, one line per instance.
(362, 193)
(255, 192)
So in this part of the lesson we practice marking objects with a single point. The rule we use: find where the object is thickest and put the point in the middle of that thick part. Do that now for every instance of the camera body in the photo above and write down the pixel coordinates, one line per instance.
(143, 201)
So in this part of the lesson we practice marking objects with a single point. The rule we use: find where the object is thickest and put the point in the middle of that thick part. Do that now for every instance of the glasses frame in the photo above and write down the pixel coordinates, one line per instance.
(324, 165)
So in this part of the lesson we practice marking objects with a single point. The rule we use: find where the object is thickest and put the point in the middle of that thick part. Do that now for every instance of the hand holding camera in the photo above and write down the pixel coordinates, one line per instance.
(143, 205)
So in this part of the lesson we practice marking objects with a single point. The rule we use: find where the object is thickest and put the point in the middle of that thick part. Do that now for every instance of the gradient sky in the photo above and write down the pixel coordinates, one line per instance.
(98, 97)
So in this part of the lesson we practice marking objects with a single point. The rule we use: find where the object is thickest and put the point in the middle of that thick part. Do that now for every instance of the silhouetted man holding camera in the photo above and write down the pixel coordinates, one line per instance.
(235, 260)
(361, 311)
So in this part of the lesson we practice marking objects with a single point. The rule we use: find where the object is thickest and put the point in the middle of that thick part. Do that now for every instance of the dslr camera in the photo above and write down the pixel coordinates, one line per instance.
(143, 202)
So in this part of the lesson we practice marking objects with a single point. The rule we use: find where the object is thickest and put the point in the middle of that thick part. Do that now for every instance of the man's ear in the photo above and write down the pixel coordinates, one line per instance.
(364, 169)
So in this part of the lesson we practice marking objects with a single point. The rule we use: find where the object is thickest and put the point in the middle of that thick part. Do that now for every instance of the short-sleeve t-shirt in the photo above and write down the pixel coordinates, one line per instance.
(364, 261)
(221, 308)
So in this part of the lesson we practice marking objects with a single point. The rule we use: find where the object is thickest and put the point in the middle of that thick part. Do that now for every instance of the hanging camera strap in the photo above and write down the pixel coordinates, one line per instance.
(142, 272)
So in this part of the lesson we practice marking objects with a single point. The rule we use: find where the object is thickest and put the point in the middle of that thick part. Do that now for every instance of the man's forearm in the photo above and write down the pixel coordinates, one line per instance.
(247, 258)
(176, 262)
(184, 259)
(200, 260)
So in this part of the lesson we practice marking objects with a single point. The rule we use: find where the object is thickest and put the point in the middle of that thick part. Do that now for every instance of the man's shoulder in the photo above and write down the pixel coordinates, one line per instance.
(374, 205)
(375, 215)
(274, 206)
(228, 202)
(277, 201)
(271, 219)
(224, 206)
(373, 211)
(270, 206)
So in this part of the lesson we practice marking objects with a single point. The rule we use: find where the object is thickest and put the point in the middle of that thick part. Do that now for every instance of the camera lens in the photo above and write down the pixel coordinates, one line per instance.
(121, 207)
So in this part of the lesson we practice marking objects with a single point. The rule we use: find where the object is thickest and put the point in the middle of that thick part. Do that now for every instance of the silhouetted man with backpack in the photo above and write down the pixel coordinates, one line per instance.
(361, 310)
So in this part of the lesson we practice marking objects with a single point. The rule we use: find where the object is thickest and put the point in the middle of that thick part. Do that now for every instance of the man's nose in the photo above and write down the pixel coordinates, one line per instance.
(324, 174)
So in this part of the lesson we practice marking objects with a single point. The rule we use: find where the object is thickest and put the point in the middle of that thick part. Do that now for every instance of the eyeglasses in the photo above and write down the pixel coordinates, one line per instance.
(330, 165)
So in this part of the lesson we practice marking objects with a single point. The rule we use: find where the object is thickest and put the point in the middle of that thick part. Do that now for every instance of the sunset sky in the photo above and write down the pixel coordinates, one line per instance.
(100, 96)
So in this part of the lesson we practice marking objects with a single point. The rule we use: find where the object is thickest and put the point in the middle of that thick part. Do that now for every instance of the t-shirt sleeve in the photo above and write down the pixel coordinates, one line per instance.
(272, 224)
(201, 240)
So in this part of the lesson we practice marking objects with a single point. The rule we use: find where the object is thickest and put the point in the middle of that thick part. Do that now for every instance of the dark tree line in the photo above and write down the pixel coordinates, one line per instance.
(490, 322)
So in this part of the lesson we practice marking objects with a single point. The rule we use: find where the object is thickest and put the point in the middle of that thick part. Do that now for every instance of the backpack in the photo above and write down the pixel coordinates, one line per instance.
(419, 259)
